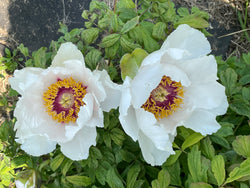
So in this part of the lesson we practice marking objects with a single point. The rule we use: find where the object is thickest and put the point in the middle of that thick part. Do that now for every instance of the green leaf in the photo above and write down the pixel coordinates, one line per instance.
(90, 35)
(130, 63)
(218, 168)
(207, 148)
(246, 93)
(130, 24)
(191, 140)
(173, 158)
(229, 79)
(192, 20)
(150, 45)
(245, 80)
(132, 175)
(4, 131)
(79, 180)
(240, 107)
(94, 152)
(24, 50)
(159, 30)
(194, 165)
(125, 4)
(200, 185)
(220, 140)
(242, 145)
(240, 172)
(40, 57)
(111, 52)
(56, 162)
(101, 174)
(66, 166)
(110, 40)
(182, 11)
(117, 135)
(114, 22)
(127, 44)
(92, 58)
(164, 178)
(113, 179)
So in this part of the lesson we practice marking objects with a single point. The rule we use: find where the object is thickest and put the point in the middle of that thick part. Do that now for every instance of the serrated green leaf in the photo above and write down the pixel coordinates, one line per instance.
(130, 24)
(193, 21)
(125, 4)
(240, 172)
(175, 174)
(101, 174)
(130, 63)
(194, 165)
(40, 57)
(56, 162)
(79, 180)
(191, 140)
(110, 40)
(66, 166)
(218, 168)
(240, 107)
(127, 44)
(111, 52)
(117, 135)
(92, 58)
(90, 35)
(114, 22)
(113, 179)
(132, 175)
(85, 14)
(95, 153)
(229, 79)
(246, 93)
(182, 11)
(159, 30)
(242, 145)
(173, 158)
(245, 80)
(220, 140)
(164, 178)
(200, 185)
(207, 148)
(150, 45)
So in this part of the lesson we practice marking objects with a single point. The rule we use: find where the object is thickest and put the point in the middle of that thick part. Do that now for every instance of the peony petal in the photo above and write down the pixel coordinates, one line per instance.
(157, 134)
(200, 69)
(67, 51)
(206, 95)
(144, 82)
(78, 148)
(222, 107)
(153, 58)
(202, 121)
(113, 91)
(24, 79)
(150, 153)
(129, 123)
(189, 39)
(37, 145)
(125, 96)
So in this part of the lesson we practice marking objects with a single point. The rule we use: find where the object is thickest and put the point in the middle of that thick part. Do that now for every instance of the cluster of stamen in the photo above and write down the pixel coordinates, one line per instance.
(165, 99)
(63, 99)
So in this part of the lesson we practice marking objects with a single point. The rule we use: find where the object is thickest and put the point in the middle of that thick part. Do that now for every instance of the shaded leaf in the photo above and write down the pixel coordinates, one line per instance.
(159, 30)
(56, 162)
(132, 175)
(113, 179)
(229, 79)
(79, 180)
(200, 185)
(242, 145)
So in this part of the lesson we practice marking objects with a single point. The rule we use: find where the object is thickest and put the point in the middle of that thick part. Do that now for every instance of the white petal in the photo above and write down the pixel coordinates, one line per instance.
(189, 39)
(129, 123)
(207, 95)
(202, 121)
(157, 134)
(222, 107)
(25, 78)
(150, 153)
(144, 82)
(153, 58)
(125, 96)
(200, 69)
(113, 91)
(37, 145)
(67, 51)
(78, 148)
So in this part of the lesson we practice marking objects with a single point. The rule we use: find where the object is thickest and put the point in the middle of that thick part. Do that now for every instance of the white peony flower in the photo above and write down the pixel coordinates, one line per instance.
(62, 104)
(174, 86)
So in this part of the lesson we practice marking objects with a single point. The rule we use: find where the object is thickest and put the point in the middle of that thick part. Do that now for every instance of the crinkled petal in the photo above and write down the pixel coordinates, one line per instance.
(78, 148)
(113, 91)
(129, 123)
(144, 82)
(150, 153)
(189, 39)
(201, 69)
(24, 79)
(206, 95)
(202, 121)
(37, 145)
(153, 58)
(67, 51)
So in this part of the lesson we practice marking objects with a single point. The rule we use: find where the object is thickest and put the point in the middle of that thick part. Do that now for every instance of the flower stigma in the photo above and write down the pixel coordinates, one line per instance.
(63, 100)
(165, 99)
